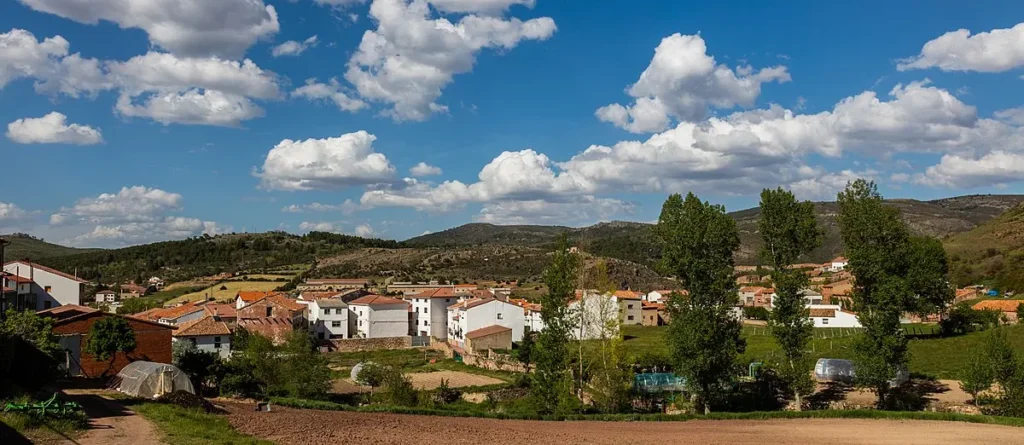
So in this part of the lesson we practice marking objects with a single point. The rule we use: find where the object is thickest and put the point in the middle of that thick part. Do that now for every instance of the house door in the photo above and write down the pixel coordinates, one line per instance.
(72, 346)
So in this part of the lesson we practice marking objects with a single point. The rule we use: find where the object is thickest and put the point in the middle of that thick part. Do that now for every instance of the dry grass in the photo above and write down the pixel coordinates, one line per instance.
(230, 288)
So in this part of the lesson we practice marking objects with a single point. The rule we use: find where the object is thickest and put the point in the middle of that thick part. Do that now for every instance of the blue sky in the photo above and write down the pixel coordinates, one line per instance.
(131, 121)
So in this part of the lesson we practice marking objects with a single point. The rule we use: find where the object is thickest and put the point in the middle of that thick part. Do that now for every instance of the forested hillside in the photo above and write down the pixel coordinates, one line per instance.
(992, 252)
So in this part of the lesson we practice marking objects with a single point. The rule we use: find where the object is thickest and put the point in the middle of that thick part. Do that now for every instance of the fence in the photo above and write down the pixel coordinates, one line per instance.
(420, 341)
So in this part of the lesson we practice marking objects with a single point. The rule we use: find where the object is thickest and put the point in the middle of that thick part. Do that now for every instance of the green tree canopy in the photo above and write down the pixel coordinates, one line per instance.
(108, 336)
(552, 382)
(698, 241)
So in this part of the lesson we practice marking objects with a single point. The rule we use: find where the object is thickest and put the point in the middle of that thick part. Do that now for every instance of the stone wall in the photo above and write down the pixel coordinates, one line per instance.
(371, 344)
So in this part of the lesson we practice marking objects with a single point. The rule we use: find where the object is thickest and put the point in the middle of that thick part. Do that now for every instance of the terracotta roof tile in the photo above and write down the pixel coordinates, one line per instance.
(489, 330)
(827, 313)
(376, 300)
(472, 303)
(443, 292)
(276, 329)
(627, 294)
(254, 295)
(997, 305)
(221, 310)
(207, 325)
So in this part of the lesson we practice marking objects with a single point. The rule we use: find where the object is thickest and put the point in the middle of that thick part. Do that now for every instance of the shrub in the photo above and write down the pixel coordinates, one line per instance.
(445, 394)
(755, 313)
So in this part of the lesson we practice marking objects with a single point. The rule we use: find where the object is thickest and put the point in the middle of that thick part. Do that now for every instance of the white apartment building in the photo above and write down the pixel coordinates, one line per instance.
(469, 315)
(430, 312)
(374, 316)
(328, 319)
(47, 288)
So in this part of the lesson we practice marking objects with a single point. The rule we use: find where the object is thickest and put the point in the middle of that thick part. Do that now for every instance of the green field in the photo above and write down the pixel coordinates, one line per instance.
(939, 357)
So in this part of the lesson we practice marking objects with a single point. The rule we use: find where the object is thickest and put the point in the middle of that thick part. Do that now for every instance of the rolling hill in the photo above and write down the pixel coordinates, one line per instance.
(992, 252)
(27, 246)
(637, 242)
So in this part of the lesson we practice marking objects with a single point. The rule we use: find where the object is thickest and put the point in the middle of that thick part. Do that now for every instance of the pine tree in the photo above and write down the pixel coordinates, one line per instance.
(789, 229)
(698, 241)
(552, 382)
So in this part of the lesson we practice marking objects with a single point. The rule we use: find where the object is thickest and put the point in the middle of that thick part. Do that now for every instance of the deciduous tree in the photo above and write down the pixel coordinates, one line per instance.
(552, 381)
(698, 242)
(789, 229)
(109, 336)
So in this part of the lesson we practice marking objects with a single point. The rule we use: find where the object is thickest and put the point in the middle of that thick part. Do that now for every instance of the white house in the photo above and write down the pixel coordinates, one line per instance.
(208, 334)
(657, 296)
(477, 313)
(594, 315)
(328, 318)
(832, 316)
(839, 263)
(106, 296)
(374, 316)
(811, 297)
(47, 288)
(430, 312)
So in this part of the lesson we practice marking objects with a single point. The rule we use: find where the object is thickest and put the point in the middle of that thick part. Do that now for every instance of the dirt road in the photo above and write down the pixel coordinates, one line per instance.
(290, 426)
(110, 422)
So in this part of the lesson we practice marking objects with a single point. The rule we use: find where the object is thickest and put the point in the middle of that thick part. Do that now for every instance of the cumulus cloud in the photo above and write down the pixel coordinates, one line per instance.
(1012, 116)
(424, 169)
(223, 28)
(293, 47)
(126, 234)
(332, 91)
(346, 207)
(990, 52)
(191, 107)
(364, 230)
(683, 82)
(582, 210)
(11, 212)
(329, 163)
(136, 204)
(52, 129)
(410, 57)
(319, 227)
(962, 171)
(163, 72)
(50, 64)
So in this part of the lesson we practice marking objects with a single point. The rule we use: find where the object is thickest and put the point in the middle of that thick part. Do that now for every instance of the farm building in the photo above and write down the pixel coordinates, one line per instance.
(832, 316)
(471, 315)
(491, 337)
(72, 324)
(1008, 308)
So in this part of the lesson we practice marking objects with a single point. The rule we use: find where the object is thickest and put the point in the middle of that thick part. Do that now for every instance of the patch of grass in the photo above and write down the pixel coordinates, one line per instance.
(183, 426)
(405, 359)
(939, 357)
(757, 415)
(230, 289)
(40, 429)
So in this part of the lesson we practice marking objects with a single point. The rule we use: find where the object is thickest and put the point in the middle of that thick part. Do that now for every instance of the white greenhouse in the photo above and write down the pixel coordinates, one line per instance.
(151, 380)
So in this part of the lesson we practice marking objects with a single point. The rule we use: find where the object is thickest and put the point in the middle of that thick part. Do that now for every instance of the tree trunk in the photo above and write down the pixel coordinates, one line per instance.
(799, 401)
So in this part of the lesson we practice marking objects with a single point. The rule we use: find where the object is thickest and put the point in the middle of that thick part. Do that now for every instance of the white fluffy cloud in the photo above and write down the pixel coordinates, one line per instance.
(424, 169)
(991, 52)
(325, 163)
(332, 91)
(319, 227)
(582, 210)
(346, 207)
(11, 212)
(520, 175)
(962, 171)
(294, 47)
(133, 215)
(191, 107)
(163, 72)
(52, 129)
(683, 82)
(364, 230)
(224, 28)
(50, 64)
(410, 57)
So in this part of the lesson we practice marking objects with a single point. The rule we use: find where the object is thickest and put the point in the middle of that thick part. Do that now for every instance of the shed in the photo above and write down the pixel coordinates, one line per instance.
(151, 380)
(491, 337)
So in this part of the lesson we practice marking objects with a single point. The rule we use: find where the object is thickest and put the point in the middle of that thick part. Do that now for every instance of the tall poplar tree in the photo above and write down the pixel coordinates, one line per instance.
(552, 380)
(698, 241)
(789, 229)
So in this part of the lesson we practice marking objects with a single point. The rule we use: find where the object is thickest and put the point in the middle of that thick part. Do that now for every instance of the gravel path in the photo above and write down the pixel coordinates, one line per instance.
(110, 422)
(313, 427)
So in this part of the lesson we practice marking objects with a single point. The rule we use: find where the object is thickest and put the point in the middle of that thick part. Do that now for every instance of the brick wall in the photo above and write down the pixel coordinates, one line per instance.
(371, 344)
(152, 343)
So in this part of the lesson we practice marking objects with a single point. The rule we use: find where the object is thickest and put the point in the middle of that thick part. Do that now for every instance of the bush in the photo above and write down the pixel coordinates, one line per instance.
(445, 394)
(963, 319)
(398, 389)
(755, 313)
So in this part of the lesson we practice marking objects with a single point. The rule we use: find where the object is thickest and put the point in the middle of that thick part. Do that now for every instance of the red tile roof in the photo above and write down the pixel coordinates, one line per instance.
(472, 303)
(489, 330)
(627, 294)
(50, 270)
(254, 295)
(66, 311)
(221, 310)
(376, 300)
(443, 292)
(169, 313)
(275, 329)
(997, 305)
(287, 303)
(207, 325)
(17, 279)
(826, 313)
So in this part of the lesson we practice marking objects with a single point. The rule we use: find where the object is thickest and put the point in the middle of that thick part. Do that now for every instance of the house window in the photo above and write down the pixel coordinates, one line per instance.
(499, 315)
(47, 289)
(824, 321)
(216, 342)
(629, 306)
(46, 304)
(327, 311)
(335, 324)
(629, 317)
(270, 311)
(360, 322)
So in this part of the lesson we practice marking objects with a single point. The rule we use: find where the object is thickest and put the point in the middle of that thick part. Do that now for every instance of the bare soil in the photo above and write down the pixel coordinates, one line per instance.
(456, 379)
(110, 422)
(313, 427)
